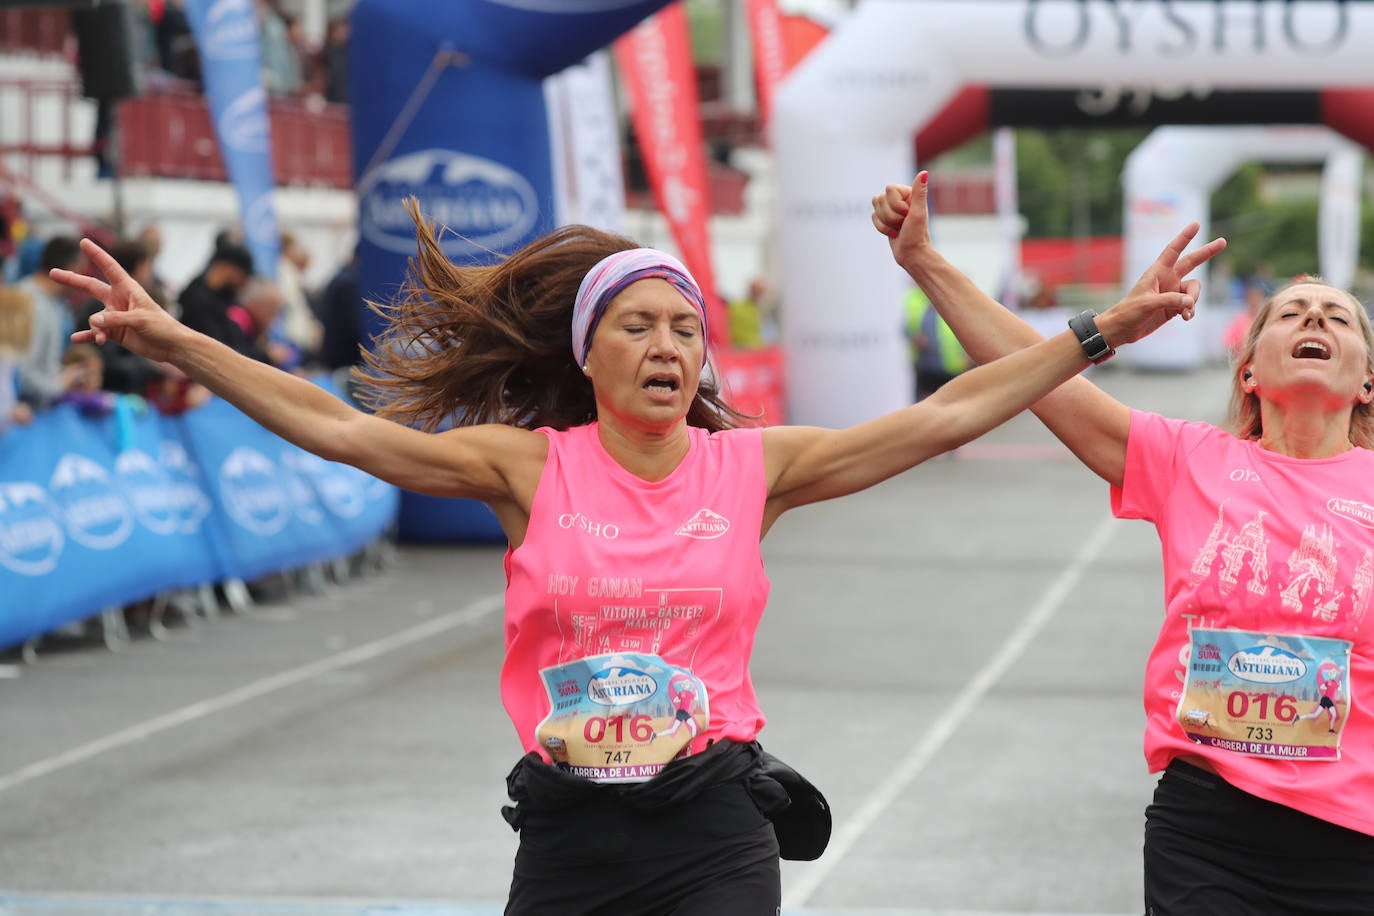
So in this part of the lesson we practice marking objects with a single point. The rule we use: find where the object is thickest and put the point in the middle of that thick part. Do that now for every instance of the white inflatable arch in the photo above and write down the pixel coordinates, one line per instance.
(844, 121)
(1169, 180)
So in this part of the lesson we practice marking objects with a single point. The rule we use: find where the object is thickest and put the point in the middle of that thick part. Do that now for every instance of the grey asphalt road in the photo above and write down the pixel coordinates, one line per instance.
(954, 657)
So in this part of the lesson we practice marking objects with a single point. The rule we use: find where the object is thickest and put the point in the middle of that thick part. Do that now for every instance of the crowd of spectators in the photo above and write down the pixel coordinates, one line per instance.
(292, 66)
(278, 321)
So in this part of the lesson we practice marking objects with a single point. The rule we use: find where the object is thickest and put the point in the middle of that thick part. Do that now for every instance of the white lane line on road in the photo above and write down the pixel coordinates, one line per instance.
(850, 831)
(365, 652)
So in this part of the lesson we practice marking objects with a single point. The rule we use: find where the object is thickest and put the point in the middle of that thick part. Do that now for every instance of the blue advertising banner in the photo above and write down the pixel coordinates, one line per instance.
(226, 34)
(105, 511)
(84, 526)
(457, 119)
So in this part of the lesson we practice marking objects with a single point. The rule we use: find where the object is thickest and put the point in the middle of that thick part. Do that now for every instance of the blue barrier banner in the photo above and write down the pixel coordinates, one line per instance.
(360, 505)
(83, 526)
(226, 34)
(271, 516)
(106, 511)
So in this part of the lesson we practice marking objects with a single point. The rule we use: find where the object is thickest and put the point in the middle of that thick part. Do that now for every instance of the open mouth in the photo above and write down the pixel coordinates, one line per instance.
(1311, 349)
(663, 384)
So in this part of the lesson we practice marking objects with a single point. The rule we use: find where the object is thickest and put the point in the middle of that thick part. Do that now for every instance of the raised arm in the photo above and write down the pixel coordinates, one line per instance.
(807, 464)
(497, 464)
(1086, 419)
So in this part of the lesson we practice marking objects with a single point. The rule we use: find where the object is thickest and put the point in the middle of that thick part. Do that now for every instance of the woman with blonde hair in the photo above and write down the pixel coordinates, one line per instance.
(1268, 538)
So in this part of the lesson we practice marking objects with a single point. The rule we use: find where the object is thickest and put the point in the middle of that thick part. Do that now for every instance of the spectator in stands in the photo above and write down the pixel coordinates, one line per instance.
(1237, 330)
(16, 329)
(746, 316)
(299, 326)
(176, 46)
(307, 57)
(334, 61)
(12, 229)
(936, 357)
(175, 393)
(88, 371)
(340, 311)
(151, 239)
(206, 300)
(229, 236)
(42, 377)
(251, 320)
(281, 68)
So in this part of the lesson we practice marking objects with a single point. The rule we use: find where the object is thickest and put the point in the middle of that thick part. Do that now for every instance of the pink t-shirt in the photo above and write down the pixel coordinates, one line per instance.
(615, 564)
(1265, 557)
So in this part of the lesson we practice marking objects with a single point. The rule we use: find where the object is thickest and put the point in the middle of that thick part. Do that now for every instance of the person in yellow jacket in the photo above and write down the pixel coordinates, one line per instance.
(936, 355)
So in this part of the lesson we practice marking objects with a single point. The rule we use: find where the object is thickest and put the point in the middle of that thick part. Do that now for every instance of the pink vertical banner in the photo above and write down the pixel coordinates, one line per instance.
(655, 61)
(770, 52)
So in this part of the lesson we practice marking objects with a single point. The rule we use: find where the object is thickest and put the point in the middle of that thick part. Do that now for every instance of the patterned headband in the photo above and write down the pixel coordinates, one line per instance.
(615, 272)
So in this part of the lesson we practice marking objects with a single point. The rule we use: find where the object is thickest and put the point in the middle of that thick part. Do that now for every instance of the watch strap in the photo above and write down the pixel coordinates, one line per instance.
(1094, 345)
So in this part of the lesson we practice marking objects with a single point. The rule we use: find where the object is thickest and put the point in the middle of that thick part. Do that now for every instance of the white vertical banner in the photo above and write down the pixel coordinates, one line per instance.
(1008, 213)
(1338, 220)
(589, 184)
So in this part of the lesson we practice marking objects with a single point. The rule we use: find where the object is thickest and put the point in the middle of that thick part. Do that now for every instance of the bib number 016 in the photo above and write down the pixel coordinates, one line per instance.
(1238, 705)
(640, 729)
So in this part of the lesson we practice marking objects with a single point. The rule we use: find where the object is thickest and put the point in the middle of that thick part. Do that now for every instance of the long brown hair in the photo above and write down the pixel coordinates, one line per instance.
(1245, 419)
(492, 343)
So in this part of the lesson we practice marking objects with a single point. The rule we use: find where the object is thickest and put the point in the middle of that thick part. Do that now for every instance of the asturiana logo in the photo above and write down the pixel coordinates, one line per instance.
(30, 531)
(705, 525)
(1266, 665)
(484, 203)
(338, 486)
(243, 123)
(96, 514)
(192, 503)
(298, 467)
(253, 492)
(1358, 512)
(231, 30)
(150, 491)
(620, 687)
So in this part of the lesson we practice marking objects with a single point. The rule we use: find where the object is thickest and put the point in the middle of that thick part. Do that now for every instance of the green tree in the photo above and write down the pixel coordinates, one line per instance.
(1069, 180)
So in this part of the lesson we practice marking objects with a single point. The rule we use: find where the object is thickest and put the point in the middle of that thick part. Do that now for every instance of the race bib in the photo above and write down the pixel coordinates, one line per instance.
(1266, 695)
(622, 717)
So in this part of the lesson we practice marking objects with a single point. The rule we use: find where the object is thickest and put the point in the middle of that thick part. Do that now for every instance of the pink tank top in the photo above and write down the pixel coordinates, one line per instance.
(644, 578)
(1268, 582)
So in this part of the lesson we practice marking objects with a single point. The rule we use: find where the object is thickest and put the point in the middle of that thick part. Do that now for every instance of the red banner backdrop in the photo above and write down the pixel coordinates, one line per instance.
(752, 381)
(770, 52)
(655, 62)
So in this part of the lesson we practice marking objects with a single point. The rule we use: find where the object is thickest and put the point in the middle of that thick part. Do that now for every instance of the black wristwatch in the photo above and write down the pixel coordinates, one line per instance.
(1090, 338)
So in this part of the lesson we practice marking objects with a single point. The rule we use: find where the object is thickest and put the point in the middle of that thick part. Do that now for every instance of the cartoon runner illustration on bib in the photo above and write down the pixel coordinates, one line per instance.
(1329, 678)
(683, 693)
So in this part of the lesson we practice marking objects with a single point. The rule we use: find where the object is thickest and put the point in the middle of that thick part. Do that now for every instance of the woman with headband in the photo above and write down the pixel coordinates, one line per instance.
(634, 499)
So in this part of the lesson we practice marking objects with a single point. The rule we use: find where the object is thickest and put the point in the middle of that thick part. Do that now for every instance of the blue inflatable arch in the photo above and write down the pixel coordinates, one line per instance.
(448, 106)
